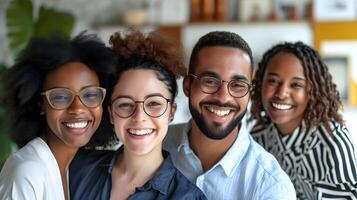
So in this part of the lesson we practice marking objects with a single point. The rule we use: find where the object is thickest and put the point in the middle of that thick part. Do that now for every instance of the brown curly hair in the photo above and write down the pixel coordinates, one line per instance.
(153, 51)
(155, 46)
(324, 99)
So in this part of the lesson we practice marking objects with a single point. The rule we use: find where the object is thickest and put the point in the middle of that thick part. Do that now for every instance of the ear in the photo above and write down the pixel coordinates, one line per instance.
(173, 111)
(110, 115)
(186, 85)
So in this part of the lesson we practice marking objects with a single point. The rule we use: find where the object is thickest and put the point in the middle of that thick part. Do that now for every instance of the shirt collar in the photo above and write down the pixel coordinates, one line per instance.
(162, 178)
(183, 140)
(236, 152)
(233, 156)
(301, 135)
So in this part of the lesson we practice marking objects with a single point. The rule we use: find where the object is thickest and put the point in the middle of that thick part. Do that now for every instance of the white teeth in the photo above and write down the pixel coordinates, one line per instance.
(140, 131)
(219, 112)
(77, 124)
(282, 106)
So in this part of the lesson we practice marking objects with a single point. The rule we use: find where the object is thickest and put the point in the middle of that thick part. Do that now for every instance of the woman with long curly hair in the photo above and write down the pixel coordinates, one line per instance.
(53, 103)
(142, 105)
(296, 106)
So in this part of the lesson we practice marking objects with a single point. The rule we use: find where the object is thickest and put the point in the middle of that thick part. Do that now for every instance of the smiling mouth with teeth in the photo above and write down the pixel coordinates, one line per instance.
(140, 131)
(281, 106)
(77, 125)
(219, 112)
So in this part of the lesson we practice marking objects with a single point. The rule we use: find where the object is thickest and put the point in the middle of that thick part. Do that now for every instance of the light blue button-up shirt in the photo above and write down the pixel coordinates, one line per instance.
(245, 172)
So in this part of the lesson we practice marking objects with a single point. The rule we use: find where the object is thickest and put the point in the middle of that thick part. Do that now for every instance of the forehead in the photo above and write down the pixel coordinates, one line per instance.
(139, 83)
(285, 64)
(227, 62)
(72, 75)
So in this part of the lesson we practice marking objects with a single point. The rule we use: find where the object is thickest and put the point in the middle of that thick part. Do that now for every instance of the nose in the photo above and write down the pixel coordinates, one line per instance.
(223, 93)
(282, 91)
(139, 113)
(76, 106)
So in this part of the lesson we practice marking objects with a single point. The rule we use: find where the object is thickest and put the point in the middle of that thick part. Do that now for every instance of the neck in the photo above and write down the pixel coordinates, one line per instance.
(210, 151)
(139, 167)
(288, 128)
(62, 153)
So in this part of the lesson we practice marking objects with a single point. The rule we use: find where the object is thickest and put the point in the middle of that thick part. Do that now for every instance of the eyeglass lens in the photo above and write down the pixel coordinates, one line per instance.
(237, 88)
(62, 98)
(154, 106)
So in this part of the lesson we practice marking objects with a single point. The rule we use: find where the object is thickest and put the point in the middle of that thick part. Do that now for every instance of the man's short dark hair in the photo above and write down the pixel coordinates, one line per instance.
(219, 38)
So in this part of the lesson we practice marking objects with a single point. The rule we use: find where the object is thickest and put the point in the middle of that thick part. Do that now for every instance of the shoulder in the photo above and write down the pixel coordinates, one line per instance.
(90, 159)
(185, 188)
(25, 160)
(176, 129)
(89, 171)
(22, 176)
(339, 136)
(173, 136)
(339, 151)
(339, 143)
(267, 169)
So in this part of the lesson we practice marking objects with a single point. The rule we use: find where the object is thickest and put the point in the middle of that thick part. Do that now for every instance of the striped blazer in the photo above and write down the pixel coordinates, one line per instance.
(320, 165)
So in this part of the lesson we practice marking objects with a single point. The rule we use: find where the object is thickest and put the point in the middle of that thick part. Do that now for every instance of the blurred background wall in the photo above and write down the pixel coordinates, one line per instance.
(328, 26)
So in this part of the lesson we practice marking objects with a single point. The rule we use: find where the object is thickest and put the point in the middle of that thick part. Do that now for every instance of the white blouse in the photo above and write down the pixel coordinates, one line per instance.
(31, 173)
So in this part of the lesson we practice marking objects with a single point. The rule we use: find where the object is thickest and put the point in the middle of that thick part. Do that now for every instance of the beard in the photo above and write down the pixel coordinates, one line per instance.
(215, 131)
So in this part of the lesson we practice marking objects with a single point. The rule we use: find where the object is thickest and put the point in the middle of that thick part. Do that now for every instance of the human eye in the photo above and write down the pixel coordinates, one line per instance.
(92, 95)
(154, 104)
(238, 85)
(273, 81)
(125, 106)
(210, 81)
(59, 96)
(297, 85)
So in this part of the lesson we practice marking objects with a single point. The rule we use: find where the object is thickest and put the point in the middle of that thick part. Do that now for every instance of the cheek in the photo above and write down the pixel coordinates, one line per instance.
(197, 96)
(302, 98)
(162, 124)
(119, 126)
(266, 93)
(52, 118)
(243, 102)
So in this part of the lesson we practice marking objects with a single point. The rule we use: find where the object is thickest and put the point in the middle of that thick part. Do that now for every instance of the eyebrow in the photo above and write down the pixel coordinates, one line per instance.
(295, 77)
(130, 97)
(87, 86)
(216, 75)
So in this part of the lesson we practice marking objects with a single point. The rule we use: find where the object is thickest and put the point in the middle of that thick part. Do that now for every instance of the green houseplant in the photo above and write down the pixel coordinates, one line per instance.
(24, 21)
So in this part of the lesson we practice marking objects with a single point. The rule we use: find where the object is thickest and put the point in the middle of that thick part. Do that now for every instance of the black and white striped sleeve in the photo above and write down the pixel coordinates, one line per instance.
(339, 158)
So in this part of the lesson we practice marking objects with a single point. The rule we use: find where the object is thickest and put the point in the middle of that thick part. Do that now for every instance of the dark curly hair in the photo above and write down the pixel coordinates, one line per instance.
(219, 38)
(153, 51)
(24, 81)
(324, 100)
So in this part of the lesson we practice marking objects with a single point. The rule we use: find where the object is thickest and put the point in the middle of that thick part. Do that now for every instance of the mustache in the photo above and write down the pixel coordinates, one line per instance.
(220, 104)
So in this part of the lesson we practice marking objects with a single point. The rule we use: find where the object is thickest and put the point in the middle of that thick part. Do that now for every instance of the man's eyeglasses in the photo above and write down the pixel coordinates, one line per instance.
(62, 98)
(210, 85)
(154, 106)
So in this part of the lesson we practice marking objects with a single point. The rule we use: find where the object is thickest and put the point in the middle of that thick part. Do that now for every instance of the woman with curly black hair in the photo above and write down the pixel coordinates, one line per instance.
(296, 108)
(53, 102)
(142, 105)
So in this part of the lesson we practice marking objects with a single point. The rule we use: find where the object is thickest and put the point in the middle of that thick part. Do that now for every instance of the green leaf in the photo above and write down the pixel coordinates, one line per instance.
(6, 146)
(52, 22)
(20, 24)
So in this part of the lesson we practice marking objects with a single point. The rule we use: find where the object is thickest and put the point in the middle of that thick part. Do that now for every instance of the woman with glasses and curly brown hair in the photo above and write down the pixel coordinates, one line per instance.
(53, 103)
(142, 105)
(296, 108)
